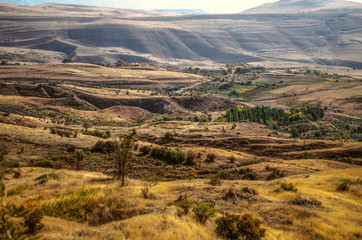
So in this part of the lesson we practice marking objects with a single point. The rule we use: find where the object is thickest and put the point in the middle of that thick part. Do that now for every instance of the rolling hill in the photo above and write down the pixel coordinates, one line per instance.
(298, 6)
(52, 32)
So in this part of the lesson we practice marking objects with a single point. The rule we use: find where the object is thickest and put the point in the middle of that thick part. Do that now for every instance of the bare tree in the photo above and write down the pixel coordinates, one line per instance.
(122, 154)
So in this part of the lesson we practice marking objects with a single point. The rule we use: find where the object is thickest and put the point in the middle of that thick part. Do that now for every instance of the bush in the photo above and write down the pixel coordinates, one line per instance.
(68, 60)
(288, 187)
(191, 158)
(171, 156)
(45, 177)
(16, 191)
(344, 185)
(184, 204)
(295, 133)
(43, 163)
(84, 206)
(145, 150)
(104, 147)
(273, 125)
(275, 174)
(170, 135)
(203, 212)
(215, 180)
(300, 201)
(232, 159)
(32, 221)
(210, 157)
(307, 155)
(97, 133)
(249, 173)
(346, 160)
(233, 226)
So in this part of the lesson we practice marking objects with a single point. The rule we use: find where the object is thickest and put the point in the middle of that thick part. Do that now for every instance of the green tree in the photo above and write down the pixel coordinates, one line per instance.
(119, 63)
(122, 154)
(79, 156)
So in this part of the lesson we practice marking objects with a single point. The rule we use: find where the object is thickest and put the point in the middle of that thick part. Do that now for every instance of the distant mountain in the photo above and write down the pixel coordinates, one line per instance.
(181, 11)
(52, 32)
(36, 2)
(298, 6)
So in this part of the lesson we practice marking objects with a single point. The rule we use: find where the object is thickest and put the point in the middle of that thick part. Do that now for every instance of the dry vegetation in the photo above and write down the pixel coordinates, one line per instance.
(59, 122)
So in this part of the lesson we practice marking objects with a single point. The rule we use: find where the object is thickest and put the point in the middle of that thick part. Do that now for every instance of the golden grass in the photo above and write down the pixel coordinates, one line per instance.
(167, 226)
(338, 218)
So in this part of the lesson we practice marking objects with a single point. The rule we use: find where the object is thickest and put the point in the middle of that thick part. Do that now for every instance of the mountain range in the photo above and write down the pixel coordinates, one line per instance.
(303, 6)
(52, 32)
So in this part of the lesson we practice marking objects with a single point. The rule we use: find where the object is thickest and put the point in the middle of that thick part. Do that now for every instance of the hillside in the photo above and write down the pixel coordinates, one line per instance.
(298, 6)
(190, 165)
(50, 33)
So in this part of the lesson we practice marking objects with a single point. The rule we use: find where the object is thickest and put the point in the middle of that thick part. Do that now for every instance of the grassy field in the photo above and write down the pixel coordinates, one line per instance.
(48, 113)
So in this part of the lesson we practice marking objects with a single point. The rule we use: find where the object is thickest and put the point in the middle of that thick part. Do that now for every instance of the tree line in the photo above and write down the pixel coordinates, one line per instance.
(263, 114)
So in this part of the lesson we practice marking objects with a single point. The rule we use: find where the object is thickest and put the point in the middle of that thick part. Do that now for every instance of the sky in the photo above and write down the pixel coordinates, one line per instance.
(211, 6)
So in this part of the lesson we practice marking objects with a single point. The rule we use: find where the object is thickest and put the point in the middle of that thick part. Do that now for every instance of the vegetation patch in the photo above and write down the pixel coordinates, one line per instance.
(234, 226)
(97, 133)
(85, 206)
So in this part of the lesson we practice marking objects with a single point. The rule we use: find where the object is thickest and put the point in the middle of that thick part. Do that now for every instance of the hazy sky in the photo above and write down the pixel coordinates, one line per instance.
(211, 6)
(220, 6)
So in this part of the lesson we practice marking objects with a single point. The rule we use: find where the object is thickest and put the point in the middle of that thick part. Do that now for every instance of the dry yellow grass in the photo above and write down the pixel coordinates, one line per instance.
(338, 218)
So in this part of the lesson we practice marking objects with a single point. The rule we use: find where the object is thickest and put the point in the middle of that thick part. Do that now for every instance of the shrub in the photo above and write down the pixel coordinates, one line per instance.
(147, 185)
(191, 158)
(346, 160)
(43, 163)
(145, 150)
(203, 212)
(295, 133)
(233, 226)
(232, 159)
(273, 125)
(307, 155)
(288, 187)
(97, 133)
(344, 185)
(172, 156)
(85, 206)
(68, 60)
(184, 204)
(104, 147)
(32, 221)
(45, 177)
(275, 174)
(16, 173)
(210, 157)
(170, 135)
(16, 191)
(215, 180)
(249, 173)
(300, 201)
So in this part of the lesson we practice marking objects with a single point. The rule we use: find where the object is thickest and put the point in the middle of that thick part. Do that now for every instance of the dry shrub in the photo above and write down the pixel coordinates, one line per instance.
(210, 157)
(233, 226)
(191, 158)
(203, 212)
(104, 147)
(288, 187)
(344, 185)
(215, 180)
(86, 206)
(300, 201)
(145, 150)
